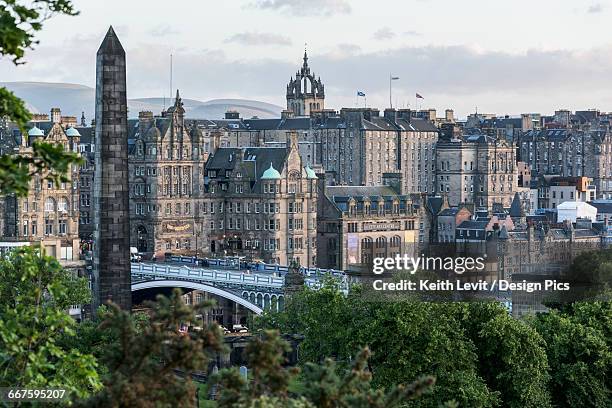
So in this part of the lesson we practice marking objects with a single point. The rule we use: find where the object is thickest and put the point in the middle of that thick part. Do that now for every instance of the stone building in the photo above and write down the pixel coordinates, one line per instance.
(476, 169)
(305, 93)
(166, 169)
(49, 214)
(355, 146)
(570, 153)
(359, 223)
(260, 203)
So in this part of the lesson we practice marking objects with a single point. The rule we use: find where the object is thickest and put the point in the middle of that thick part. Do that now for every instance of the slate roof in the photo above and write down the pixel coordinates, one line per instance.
(261, 156)
(448, 212)
(473, 225)
(603, 206)
(359, 191)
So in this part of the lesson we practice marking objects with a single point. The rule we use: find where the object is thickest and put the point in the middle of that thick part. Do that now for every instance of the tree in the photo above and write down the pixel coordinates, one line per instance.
(143, 359)
(19, 22)
(407, 339)
(511, 354)
(35, 294)
(324, 386)
(579, 349)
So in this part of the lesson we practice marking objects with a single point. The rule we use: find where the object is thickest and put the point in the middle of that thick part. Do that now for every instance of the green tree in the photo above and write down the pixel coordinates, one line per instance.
(324, 386)
(579, 348)
(407, 339)
(143, 359)
(35, 294)
(511, 354)
(19, 23)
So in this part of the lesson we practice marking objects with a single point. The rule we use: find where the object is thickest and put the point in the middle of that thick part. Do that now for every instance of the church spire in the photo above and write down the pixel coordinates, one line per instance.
(305, 57)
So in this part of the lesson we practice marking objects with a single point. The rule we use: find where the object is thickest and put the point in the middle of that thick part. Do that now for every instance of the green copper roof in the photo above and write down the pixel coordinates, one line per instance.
(72, 132)
(271, 174)
(35, 132)
(310, 173)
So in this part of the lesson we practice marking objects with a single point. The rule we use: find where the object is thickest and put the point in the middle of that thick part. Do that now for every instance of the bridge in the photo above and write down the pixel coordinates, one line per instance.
(256, 291)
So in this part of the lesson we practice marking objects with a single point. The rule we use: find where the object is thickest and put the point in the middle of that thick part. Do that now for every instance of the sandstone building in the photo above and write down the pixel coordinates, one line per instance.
(476, 169)
(359, 223)
(49, 214)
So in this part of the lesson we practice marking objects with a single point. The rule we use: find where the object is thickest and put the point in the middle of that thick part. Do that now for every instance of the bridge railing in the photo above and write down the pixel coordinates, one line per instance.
(232, 262)
(210, 275)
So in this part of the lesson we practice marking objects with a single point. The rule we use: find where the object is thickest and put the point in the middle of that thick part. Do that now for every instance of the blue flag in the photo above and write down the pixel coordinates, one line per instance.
(359, 93)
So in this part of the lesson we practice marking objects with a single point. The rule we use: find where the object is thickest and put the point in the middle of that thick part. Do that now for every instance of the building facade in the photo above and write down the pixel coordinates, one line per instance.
(166, 168)
(478, 169)
(260, 203)
(49, 215)
(359, 223)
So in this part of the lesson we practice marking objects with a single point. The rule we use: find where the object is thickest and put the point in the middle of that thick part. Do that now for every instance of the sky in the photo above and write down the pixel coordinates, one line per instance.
(504, 57)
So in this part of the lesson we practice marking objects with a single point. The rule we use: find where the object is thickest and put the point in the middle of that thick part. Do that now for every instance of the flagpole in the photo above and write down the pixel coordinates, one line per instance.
(390, 101)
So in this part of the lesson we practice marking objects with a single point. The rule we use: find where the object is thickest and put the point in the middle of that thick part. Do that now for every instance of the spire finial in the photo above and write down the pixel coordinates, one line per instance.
(305, 55)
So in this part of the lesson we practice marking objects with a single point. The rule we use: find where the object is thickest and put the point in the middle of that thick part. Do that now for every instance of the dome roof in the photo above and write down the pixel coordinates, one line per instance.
(271, 174)
(310, 173)
(72, 132)
(35, 132)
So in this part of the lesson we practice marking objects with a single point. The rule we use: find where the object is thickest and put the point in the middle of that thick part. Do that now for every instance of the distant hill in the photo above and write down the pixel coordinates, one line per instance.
(73, 99)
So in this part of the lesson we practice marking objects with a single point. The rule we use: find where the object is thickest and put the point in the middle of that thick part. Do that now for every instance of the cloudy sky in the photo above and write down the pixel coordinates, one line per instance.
(505, 57)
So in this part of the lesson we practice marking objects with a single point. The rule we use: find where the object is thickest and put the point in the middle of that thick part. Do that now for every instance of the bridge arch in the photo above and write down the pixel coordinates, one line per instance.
(197, 286)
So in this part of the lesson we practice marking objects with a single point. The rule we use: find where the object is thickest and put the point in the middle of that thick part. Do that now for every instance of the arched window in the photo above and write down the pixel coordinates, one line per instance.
(62, 205)
(49, 205)
(366, 243)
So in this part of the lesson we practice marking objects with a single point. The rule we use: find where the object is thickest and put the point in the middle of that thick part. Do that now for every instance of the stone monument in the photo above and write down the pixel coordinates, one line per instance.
(111, 262)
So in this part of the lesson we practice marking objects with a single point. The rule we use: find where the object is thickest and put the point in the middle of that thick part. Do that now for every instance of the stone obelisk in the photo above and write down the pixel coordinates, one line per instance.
(111, 262)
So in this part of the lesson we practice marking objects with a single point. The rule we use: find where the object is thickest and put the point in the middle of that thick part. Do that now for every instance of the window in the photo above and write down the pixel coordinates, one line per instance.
(49, 205)
(26, 228)
(62, 205)
(34, 228)
(62, 227)
(85, 202)
(48, 227)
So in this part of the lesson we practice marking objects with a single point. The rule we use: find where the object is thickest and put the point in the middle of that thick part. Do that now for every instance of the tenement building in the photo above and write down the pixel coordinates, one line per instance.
(49, 214)
(476, 169)
(359, 223)
(570, 153)
(355, 146)
(261, 203)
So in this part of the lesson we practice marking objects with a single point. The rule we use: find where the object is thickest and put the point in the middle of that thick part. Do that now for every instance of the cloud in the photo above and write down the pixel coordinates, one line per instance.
(411, 33)
(163, 30)
(595, 8)
(301, 8)
(252, 38)
(384, 33)
(457, 77)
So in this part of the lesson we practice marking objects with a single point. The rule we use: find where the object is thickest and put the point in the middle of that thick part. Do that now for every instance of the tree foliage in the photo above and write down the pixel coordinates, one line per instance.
(579, 349)
(320, 385)
(21, 20)
(19, 23)
(479, 355)
(142, 359)
(35, 294)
